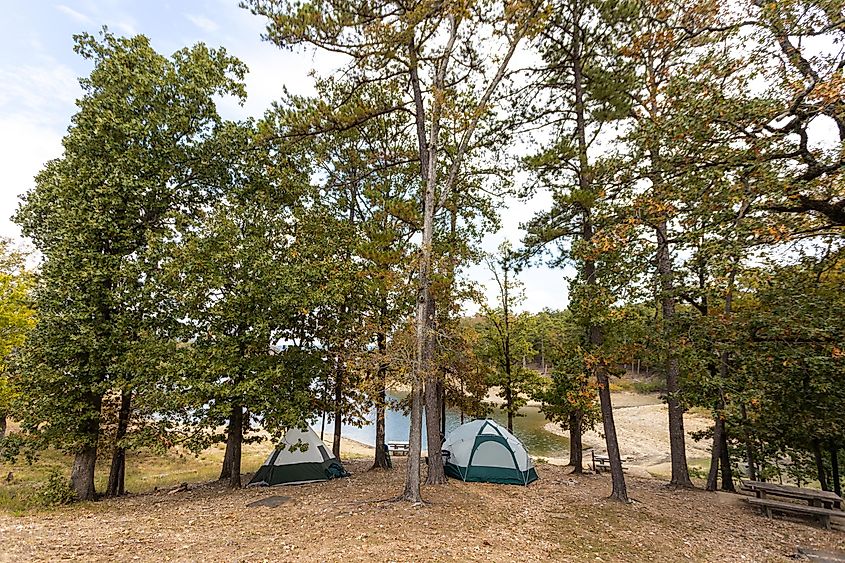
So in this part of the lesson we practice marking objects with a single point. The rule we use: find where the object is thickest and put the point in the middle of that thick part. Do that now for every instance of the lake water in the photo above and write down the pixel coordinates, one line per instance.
(529, 429)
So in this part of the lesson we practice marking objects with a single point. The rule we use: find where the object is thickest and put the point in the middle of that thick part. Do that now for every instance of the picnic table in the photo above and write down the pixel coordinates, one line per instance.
(823, 505)
(602, 462)
(398, 448)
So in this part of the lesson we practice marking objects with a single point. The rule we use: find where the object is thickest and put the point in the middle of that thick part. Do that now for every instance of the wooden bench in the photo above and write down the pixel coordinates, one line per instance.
(769, 505)
(813, 497)
(398, 448)
(602, 462)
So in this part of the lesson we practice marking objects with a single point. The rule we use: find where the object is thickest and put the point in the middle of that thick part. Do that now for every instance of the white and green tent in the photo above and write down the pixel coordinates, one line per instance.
(301, 457)
(481, 450)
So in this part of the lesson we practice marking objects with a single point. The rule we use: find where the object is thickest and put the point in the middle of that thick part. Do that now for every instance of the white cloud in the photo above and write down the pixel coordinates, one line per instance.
(127, 26)
(43, 94)
(24, 149)
(36, 102)
(206, 24)
(74, 14)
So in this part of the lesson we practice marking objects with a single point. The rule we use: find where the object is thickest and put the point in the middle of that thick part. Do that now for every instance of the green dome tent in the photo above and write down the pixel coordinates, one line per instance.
(482, 450)
(301, 457)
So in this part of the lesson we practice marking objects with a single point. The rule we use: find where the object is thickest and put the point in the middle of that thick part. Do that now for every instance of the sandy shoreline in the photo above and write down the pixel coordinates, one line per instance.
(642, 428)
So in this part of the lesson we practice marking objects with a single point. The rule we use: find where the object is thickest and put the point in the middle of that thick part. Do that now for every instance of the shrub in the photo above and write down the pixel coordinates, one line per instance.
(57, 490)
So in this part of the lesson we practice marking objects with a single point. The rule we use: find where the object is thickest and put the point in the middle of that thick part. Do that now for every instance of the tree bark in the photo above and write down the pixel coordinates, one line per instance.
(436, 471)
(425, 300)
(834, 463)
(508, 403)
(2, 425)
(749, 447)
(595, 337)
(117, 472)
(236, 435)
(715, 451)
(85, 458)
(380, 461)
(338, 411)
(727, 472)
(820, 472)
(226, 469)
(576, 454)
(82, 473)
(677, 436)
(620, 490)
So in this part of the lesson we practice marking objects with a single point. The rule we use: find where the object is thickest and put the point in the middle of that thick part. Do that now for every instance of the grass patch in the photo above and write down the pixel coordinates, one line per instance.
(146, 471)
(643, 387)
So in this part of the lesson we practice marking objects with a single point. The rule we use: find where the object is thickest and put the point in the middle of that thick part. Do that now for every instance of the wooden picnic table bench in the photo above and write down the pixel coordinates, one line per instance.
(768, 505)
(814, 497)
(398, 448)
(823, 505)
(602, 462)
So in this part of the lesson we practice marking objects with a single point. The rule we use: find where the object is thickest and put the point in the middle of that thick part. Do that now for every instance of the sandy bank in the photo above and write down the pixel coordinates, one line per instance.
(642, 427)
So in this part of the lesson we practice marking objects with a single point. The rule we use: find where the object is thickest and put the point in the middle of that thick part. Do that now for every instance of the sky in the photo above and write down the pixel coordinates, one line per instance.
(38, 89)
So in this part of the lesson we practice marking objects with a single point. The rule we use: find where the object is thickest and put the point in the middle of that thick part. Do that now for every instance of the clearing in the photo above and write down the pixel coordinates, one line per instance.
(558, 518)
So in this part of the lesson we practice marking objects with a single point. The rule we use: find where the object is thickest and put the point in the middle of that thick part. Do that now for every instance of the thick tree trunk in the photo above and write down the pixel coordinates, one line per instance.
(117, 472)
(85, 459)
(338, 412)
(677, 437)
(380, 461)
(236, 435)
(820, 472)
(576, 454)
(834, 462)
(82, 473)
(2, 425)
(436, 473)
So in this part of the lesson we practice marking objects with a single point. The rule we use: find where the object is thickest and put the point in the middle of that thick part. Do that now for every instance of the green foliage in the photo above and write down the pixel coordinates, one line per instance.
(16, 318)
(570, 390)
(505, 337)
(57, 490)
(139, 157)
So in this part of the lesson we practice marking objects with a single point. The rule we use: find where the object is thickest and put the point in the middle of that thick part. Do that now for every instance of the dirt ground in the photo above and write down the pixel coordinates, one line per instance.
(558, 518)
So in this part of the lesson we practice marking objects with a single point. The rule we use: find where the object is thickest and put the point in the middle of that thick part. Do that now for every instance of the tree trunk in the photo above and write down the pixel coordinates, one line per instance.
(2, 425)
(620, 490)
(820, 472)
(117, 472)
(715, 452)
(834, 463)
(576, 454)
(436, 471)
(749, 447)
(82, 473)
(441, 388)
(727, 472)
(508, 402)
(85, 459)
(677, 437)
(338, 411)
(226, 469)
(236, 435)
(380, 461)
(594, 332)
